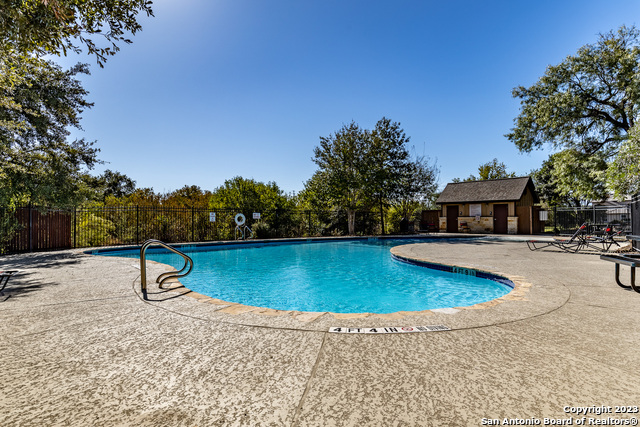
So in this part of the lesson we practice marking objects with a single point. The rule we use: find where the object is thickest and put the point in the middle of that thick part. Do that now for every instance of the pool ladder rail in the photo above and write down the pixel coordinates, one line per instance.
(241, 230)
(188, 262)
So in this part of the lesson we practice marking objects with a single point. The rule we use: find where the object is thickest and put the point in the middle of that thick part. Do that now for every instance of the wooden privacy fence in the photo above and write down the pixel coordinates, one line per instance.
(38, 229)
(529, 219)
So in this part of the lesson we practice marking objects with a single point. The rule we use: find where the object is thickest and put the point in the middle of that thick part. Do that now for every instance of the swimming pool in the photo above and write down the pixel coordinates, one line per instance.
(339, 276)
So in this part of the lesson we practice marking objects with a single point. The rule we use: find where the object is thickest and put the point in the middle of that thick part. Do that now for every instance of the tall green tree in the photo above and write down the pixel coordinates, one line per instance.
(248, 195)
(587, 103)
(361, 168)
(571, 177)
(117, 184)
(316, 194)
(387, 160)
(110, 184)
(37, 162)
(545, 181)
(343, 166)
(39, 101)
(417, 186)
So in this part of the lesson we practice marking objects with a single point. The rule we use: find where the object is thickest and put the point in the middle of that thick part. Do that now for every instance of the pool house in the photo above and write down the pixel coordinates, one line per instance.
(500, 206)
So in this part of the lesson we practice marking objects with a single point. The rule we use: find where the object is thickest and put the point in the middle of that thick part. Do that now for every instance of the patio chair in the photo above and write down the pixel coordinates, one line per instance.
(4, 279)
(573, 244)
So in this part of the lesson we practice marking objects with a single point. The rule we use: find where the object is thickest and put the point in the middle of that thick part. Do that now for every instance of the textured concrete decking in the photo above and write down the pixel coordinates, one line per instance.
(80, 347)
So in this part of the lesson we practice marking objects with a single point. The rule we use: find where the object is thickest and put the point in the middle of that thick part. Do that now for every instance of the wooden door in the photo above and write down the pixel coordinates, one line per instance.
(500, 214)
(452, 219)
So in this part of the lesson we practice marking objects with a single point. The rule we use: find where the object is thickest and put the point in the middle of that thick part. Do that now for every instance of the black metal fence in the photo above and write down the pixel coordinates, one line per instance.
(563, 220)
(108, 226)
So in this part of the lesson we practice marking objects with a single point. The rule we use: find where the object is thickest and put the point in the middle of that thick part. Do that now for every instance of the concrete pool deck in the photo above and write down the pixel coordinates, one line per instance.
(79, 346)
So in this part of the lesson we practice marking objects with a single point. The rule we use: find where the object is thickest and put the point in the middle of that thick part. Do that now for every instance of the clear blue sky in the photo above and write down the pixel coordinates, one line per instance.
(214, 89)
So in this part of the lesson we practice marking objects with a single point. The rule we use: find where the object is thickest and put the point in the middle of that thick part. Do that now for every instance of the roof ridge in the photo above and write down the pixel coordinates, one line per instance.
(489, 180)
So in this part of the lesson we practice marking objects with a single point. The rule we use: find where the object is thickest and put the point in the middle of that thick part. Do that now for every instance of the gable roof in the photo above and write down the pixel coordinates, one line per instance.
(494, 190)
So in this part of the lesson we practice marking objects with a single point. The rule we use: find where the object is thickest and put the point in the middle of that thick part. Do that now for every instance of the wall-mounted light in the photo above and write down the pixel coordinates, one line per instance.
(460, 213)
(490, 213)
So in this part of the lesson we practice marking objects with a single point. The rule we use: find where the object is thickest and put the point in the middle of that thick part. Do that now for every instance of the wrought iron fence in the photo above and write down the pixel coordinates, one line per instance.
(564, 220)
(109, 226)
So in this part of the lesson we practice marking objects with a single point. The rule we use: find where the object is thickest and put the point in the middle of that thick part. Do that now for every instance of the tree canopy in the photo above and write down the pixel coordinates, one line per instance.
(586, 103)
(39, 101)
(490, 170)
(417, 187)
(623, 174)
(54, 27)
(109, 185)
(343, 166)
(37, 162)
(248, 195)
(571, 177)
(31, 30)
(358, 168)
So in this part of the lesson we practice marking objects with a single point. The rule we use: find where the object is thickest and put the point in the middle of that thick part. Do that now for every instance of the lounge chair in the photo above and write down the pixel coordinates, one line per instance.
(606, 239)
(581, 239)
(573, 244)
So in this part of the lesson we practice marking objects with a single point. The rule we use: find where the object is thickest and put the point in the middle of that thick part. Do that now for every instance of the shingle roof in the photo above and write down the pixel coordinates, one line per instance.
(496, 190)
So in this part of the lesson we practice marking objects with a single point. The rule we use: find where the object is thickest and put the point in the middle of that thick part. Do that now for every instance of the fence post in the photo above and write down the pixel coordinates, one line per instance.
(309, 217)
(193, 231)
(137, 224)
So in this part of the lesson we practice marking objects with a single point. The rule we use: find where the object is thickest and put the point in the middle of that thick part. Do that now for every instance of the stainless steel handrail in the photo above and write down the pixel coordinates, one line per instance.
(243, 232)
(164, 276)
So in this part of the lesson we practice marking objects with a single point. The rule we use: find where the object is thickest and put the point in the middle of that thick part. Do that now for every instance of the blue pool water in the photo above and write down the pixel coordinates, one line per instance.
(353, 276)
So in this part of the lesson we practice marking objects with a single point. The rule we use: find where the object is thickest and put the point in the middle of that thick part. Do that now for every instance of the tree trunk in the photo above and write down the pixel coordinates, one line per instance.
(351, 219)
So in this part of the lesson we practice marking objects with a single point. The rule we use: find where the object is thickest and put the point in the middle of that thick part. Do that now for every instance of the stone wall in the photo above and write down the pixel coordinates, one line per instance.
(482, 225)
